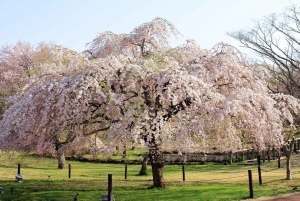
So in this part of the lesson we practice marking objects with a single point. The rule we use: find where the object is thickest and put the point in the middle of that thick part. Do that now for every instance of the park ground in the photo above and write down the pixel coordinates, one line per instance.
(211, 182)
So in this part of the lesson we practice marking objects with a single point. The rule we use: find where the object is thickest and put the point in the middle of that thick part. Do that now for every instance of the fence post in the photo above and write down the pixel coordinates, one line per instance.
(248, 154)
(125, 170)
(109, 187)
(258, 159)
(250, 183)
(19, 168)
(279, 158)
(183, 173)
(69, 171)
(259, 175)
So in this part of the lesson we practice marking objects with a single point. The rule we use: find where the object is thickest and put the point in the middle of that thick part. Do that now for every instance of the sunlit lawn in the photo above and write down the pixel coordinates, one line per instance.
(89, 180)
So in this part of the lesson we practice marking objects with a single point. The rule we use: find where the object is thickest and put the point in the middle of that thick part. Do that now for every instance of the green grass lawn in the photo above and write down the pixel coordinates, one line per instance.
(89, 180)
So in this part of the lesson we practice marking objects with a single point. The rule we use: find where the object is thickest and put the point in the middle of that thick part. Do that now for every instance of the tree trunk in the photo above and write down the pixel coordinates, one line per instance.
(143, 170)
(157, 163)
(288, 149)
(124, 154)
(61, 159)
(288, 168)
(133, 145)
(230, 157)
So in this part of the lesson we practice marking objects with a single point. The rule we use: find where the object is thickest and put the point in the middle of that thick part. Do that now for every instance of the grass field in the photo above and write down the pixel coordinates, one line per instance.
(89, 180)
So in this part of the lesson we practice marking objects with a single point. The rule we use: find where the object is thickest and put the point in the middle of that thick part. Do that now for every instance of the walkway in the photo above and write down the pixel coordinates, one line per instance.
(290, 197)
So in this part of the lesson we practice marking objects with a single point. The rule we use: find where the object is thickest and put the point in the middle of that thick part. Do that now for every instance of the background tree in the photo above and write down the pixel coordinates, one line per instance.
(15, 64)
(275, 39)
(22, 62)
(24, 67)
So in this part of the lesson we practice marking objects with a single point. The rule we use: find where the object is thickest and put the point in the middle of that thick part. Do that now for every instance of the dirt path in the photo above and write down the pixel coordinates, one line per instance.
(290, 197)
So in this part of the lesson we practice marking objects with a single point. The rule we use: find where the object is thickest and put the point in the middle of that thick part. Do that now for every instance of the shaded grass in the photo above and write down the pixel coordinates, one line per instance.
(203, 182)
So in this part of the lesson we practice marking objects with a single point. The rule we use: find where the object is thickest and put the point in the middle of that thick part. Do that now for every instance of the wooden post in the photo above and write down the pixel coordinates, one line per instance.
(183, 173)
(69, 171)
(125, 170)
(295, 147)
(279, 158)
(258, 159)
(250, 183)
(248, 154)
(19, 168)
(109, 187)
(259, 175)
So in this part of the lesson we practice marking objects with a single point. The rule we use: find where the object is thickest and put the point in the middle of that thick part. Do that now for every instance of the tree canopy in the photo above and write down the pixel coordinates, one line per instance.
(137, 86)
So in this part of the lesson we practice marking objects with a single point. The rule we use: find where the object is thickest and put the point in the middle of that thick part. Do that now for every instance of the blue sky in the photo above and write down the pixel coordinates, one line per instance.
(73, 23)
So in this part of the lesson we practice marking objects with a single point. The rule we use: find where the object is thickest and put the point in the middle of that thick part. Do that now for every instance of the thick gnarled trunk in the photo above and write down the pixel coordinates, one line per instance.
(157, 163)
